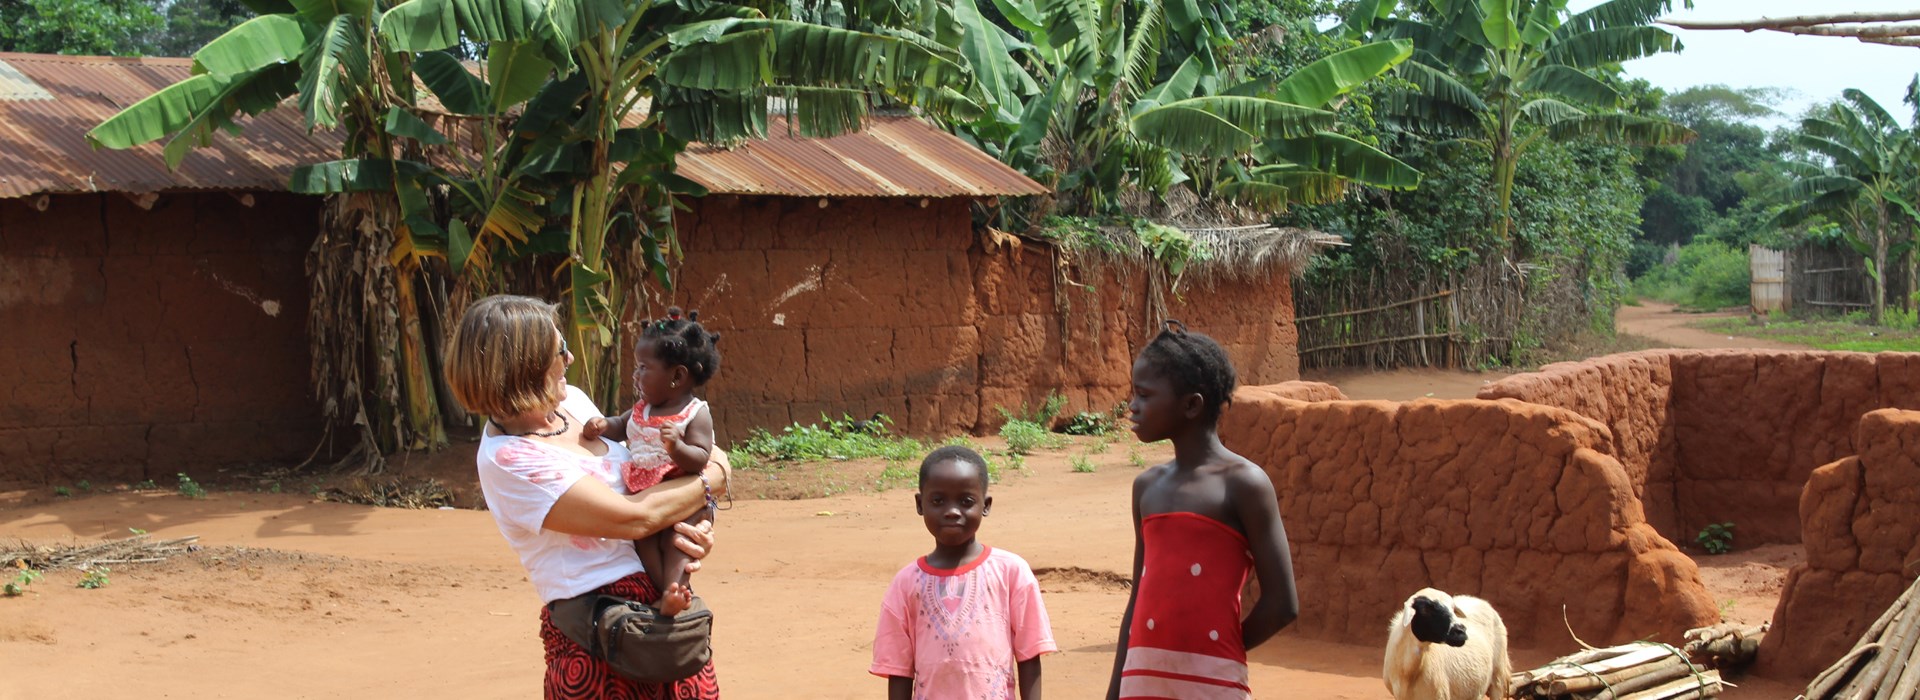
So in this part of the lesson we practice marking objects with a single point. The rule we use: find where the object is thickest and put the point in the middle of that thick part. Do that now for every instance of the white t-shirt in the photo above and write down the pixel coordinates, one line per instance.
(522, 479)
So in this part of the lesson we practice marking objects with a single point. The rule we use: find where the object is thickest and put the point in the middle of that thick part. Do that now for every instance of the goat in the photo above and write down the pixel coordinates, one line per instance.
(1447, 647)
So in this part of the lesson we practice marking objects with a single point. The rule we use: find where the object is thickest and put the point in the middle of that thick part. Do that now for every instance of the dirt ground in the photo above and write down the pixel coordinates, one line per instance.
(293, 596)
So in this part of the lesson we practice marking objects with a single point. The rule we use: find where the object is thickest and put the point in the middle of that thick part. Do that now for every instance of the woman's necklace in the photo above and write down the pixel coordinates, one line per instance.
(564, 426)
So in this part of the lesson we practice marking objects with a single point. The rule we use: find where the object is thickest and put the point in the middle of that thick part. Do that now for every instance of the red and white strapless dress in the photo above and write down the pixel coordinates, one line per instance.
(1185, 639)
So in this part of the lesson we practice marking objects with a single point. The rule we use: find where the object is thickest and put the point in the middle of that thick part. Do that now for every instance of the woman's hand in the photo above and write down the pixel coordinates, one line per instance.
(695, 540)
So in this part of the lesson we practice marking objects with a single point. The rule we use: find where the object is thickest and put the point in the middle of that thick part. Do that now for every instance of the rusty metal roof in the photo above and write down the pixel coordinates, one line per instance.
(43, 146)
(894, 156)
(47, 104)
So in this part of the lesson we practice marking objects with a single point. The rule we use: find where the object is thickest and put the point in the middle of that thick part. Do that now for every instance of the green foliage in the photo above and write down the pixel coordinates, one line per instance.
(84, 485)
(1089, 423)
(1848, 334)
(189, 489)
(839, 439)
(1023, 437)
(1705, 275)
(77, 27)
(1042, 416)
(1136, 459)
(1716, 538)
(22, 578)
(1081, 464)
(94, 577)
(146, 485)
(62, 491)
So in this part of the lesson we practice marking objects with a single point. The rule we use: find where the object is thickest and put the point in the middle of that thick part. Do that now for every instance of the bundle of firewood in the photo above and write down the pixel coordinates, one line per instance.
(1726, 645)
(1637, 671)
(1881, 663)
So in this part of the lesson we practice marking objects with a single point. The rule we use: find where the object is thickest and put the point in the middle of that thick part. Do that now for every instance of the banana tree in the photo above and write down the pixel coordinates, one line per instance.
(1518, 72)
(1869, 169)
(563, 139)
(1129, 93)
(363, 269)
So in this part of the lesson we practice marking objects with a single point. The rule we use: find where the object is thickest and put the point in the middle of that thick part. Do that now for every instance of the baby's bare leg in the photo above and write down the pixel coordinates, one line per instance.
(649, 550)
(673, 568)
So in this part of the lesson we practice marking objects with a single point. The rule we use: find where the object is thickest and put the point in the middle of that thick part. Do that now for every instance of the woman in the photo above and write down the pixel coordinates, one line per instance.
(557, 494)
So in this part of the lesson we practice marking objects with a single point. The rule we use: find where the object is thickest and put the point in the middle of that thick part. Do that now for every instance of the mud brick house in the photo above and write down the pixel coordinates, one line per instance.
(154, 320)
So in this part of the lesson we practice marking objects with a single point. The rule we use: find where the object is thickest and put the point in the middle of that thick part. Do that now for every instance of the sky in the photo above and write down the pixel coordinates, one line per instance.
(1815, 68)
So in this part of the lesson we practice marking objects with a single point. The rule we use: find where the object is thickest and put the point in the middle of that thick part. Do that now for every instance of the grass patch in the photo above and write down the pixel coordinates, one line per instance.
(830, 439)
(1831, 334)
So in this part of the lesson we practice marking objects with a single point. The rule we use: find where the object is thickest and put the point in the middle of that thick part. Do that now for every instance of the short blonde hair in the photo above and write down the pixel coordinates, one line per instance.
(501, 352)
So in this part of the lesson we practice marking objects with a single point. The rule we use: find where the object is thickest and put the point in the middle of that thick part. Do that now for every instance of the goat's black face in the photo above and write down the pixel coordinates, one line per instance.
(1434, 623)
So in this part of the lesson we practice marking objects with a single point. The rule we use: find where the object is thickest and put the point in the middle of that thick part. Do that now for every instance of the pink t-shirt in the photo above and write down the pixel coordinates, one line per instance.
(958, 633)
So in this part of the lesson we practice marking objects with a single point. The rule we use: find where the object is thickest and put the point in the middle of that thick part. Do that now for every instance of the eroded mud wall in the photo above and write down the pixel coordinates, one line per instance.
(136, 343)
(1860, 523)
(1518, 503)
(882, 305)
(1725, 436)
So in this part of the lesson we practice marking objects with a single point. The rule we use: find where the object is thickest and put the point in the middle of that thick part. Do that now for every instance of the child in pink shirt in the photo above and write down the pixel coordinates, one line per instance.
(965, 621)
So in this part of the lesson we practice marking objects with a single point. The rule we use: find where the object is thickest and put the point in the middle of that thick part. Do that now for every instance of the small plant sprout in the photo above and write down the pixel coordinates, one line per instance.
(190, 489)
(84, 485)
(136, 531)
(94, 577)
(1134, 458)
(147, 485)
(1081, 465)
(18, 585)
(62, 491)
(1716, 538)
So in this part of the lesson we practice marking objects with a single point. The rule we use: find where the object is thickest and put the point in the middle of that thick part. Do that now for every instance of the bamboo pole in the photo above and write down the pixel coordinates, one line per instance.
(1669, 667)
(1706, 685)
(1357, 312)
(1823, 684)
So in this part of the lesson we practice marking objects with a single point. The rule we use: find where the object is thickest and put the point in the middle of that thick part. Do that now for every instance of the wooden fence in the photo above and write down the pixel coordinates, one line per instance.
(1391, 319)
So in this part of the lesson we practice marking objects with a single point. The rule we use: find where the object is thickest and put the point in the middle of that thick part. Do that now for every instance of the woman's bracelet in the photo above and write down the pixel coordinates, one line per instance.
(713, 506)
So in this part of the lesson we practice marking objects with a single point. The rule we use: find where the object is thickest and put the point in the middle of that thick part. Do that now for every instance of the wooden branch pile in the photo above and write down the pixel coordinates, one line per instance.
(138, 549)
(1726, 645)
(1881, 664)
(1637, 671)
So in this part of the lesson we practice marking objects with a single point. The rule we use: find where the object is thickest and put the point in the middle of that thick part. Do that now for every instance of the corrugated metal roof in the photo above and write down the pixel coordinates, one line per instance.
(47, 104)
(894, 156)
(43, 146)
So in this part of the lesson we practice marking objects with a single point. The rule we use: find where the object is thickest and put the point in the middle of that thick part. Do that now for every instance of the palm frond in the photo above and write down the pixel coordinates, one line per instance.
(1601, 47)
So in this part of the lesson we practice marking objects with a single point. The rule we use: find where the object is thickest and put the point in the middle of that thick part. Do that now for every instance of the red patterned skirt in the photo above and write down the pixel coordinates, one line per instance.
(573, 674)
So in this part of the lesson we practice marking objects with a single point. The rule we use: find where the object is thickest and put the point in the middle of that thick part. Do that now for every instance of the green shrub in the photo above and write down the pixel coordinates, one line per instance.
(190, 489)
(1716, 538)
(1023, 437)
(1081, 465)
(1704, 275)
(831, 439)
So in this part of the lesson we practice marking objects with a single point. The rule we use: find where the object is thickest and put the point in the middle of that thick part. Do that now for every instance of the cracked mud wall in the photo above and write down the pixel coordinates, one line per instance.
(1725, 436)
(1860, 520)
(136, 343)
(1517, 503)
(882, 305)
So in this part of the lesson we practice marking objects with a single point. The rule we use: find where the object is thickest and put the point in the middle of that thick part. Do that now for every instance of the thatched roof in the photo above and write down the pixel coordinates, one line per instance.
(1241, 250)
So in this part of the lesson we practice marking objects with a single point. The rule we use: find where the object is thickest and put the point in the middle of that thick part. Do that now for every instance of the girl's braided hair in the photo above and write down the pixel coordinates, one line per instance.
(684, 342)
(1194, 363)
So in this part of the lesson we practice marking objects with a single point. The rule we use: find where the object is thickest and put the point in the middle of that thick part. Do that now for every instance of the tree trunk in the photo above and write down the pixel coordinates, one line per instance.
(1880, 269)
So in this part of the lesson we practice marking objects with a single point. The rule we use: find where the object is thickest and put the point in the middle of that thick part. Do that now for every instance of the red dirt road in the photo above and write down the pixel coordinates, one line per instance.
(331, 600)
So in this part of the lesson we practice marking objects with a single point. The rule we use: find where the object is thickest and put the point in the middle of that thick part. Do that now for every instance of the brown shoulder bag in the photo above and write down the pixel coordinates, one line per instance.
(634, 638)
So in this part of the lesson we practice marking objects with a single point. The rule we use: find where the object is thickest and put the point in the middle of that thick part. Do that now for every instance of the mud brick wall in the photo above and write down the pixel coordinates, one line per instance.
(1725, 436)
(885, 305)
(1517, 503)
(1860, 520)
(135, 343)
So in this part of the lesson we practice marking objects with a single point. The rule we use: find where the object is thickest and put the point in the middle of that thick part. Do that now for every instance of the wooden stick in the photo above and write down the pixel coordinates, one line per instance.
(1824, 683)
(1798, 21)
(1900, 638)
(1909, 677)
(1356, 312)
(1669, 667)
(1690, 688)
(1641, 655)
(1633, 685)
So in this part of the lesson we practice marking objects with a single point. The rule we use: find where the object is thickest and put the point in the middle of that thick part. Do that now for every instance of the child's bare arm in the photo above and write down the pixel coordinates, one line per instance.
(1253, 497)
(1139, 561)
(615, 426)
(899, 688)
(1030, 679)
(690, 447)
